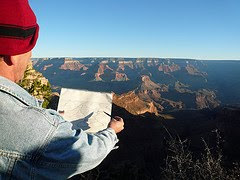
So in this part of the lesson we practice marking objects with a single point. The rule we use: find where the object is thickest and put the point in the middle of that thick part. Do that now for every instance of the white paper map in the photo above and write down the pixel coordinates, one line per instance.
(85, 109)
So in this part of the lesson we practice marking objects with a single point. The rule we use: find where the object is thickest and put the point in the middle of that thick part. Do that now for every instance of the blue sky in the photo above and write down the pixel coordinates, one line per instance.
(201, 29)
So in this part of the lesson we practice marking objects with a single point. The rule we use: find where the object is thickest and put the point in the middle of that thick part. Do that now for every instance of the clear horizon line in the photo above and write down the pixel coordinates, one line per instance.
(145, 57)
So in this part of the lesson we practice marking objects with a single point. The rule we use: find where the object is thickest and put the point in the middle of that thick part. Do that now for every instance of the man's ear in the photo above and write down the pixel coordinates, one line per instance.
(8, 60)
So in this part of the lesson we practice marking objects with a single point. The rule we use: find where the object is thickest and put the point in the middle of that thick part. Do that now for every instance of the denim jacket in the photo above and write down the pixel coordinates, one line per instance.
(37, 143)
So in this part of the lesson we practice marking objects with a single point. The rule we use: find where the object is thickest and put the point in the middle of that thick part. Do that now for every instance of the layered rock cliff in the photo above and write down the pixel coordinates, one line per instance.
(133, 104)
(168, 68)
(206, 99)
(194, 71)
(73, 65)
(123, 64)
(170, 84)
(101, 70)
(182, 88)
(146, 98)
(121, 77)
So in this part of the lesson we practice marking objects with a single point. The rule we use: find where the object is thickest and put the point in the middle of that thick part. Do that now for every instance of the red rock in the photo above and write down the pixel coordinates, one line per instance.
(168, 68)
(73, 65)
(121, 77)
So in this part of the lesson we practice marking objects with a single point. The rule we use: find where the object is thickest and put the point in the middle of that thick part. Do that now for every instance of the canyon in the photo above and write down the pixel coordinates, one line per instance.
(158, 99)
(154, 85)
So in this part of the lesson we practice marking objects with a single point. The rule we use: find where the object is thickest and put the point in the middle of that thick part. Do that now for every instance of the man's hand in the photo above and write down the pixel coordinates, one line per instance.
(116, 124)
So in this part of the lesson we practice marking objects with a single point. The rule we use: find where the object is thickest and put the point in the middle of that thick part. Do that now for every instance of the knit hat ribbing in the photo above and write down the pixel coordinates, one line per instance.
(18, 27)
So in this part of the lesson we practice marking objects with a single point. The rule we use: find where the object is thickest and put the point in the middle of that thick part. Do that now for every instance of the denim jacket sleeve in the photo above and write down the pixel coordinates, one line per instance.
(72, 152)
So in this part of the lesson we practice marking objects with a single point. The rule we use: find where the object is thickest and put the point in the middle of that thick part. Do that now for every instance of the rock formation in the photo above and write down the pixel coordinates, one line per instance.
(170, 84)
(47, 66)
(73, 65)
(182, 88)
(147, 98)
(122, 64)
(168, 68)
(101, 70)
(133, 104)
(206, 99)
(121, 77)
(194, 71)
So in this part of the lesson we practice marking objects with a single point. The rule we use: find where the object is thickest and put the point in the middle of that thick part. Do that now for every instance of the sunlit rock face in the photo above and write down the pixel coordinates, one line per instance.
(103, 67)
(133, 104)
(121, 77)
(73, 65)
(146, 98)
(169, 84)
(168, 68)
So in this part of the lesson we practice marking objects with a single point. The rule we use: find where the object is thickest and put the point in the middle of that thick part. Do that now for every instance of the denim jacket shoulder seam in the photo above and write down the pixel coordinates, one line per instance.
(20, 104)
(8, 91)
(14, 155)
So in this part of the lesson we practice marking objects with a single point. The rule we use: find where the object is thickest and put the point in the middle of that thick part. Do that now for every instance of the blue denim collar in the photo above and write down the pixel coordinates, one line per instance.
(16, 91)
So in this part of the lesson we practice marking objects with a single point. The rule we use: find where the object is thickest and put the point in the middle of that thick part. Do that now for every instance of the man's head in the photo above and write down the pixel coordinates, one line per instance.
(18, 36)
(13, 67)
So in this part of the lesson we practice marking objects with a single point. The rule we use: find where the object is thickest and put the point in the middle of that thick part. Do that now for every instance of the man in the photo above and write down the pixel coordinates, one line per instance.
(37, 143)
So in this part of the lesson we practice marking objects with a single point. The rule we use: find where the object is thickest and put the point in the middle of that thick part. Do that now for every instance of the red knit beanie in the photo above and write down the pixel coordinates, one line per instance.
(18, 27)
